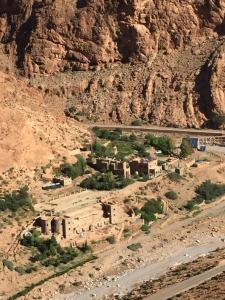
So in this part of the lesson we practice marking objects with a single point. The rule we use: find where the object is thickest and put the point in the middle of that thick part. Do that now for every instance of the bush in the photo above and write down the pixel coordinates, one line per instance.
(207, 192)
(134, 247)
(145, 228)
(174, 177)
(8, 264)
(136, 122)
(149, 210)
(186, 148)
(171, 195)
(111, 239)
(20, 270)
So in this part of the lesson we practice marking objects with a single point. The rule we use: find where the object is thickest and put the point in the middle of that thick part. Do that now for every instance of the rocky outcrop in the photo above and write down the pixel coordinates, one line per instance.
(158, 60)
(55, 35)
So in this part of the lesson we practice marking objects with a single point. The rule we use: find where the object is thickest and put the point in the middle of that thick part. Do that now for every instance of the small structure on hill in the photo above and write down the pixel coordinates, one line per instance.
(64, 181)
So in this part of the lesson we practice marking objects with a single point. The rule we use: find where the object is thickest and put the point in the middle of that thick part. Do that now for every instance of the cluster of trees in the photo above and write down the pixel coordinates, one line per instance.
(48, 251)
(148, 211)
(105, 182)
(16, 200)
(126, 145)
(207, 192)
(113, 135)
(163, 143)
(74, 170)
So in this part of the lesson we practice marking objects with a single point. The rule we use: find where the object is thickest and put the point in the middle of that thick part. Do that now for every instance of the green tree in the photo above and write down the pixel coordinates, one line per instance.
(186, 148)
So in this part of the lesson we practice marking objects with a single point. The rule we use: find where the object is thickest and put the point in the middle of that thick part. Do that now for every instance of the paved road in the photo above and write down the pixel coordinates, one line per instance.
(125, 283)
(186, 285)
(188, 131)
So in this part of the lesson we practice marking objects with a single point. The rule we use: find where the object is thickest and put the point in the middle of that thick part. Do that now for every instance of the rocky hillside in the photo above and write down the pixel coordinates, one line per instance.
(162, 61)
(33, 131)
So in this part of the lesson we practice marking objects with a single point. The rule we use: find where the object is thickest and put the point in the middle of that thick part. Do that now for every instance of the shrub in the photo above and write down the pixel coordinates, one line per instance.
(174, 177)
(149, 210)
(20, 270)
(145, 228)
(171, 195)
(136, 122)
(207, 192)
(186, 148)
(134, 247)
(111, 239)
(8, 264)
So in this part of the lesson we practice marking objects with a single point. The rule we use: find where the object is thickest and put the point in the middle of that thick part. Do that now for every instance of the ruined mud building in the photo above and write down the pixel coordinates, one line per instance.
(73, 217)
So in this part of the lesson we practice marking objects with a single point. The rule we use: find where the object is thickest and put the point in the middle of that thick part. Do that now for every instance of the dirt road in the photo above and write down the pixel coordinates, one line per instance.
(186, 285)
(188, 131)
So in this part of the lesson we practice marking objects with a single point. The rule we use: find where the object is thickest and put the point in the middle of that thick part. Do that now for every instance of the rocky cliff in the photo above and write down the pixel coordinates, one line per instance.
(159, 60)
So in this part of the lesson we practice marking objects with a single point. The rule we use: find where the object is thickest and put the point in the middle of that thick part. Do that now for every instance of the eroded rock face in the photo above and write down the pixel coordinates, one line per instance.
(177, 43)
(54, 35)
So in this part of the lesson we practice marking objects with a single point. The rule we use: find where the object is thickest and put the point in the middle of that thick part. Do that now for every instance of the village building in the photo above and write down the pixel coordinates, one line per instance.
(79, 216)
(148, 167)
(171, 164)
(64, 181)
(118, 168)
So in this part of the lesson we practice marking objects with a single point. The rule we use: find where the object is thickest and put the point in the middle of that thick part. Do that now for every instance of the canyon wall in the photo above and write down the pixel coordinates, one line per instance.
(159, 60)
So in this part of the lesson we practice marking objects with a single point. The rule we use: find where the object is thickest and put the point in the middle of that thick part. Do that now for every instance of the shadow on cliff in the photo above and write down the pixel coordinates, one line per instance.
(23, 38)
(202, 88)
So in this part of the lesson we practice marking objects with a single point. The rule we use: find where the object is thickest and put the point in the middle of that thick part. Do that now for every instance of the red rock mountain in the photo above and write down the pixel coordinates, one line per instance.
(158, 60)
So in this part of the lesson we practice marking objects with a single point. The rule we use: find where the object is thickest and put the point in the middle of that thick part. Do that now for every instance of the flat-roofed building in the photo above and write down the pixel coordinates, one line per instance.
(71, 217)
(118, 168)
(147, 167)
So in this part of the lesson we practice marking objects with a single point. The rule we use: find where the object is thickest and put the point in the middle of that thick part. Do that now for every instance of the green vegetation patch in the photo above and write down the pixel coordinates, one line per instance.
(126, 145)
(207, 192)
(48, 251)
(73, 170)
(134, 247)
(164, 143)
(175, 177)
(186, 148)
(171, 195)
(56, 274)
(150, 209)
(105, 182)
(16, 200)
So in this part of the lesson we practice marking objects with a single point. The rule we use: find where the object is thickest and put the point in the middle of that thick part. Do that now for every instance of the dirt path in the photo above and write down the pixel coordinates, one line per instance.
(186, 285)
